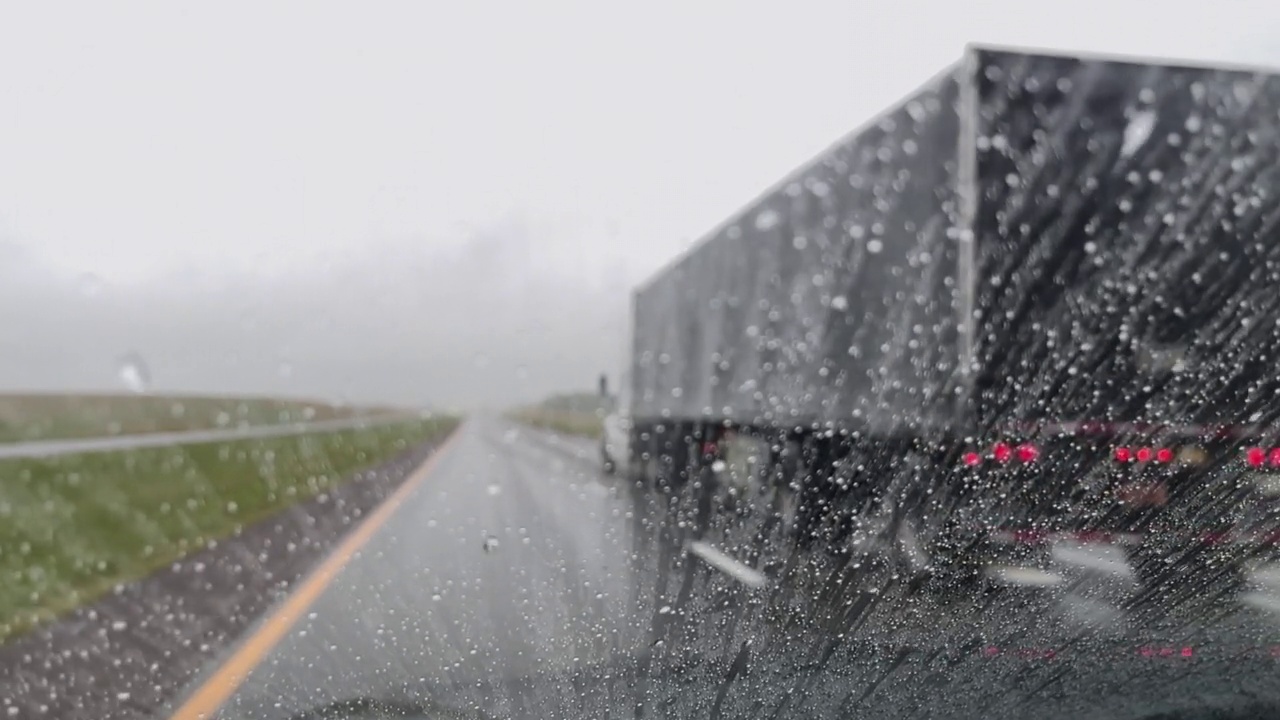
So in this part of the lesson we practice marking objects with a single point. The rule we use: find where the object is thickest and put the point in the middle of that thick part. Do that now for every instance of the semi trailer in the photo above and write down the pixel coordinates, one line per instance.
(1037, 299)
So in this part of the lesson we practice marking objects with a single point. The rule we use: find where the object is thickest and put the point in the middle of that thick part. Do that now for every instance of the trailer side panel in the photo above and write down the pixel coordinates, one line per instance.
(1127, 247)
(829, 299)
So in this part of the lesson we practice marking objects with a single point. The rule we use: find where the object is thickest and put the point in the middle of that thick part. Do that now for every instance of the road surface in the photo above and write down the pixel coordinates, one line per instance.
(50, 448)
(514, 580)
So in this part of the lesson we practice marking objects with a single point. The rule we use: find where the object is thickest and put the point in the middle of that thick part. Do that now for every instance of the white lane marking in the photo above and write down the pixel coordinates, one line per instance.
(1267, 576)
(1023, 576)
(1261, 601)
(1091, 558)
(727, 565)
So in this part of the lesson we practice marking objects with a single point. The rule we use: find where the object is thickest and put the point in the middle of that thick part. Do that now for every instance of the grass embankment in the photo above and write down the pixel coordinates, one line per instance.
(62, 417)
(582, 424)
(72, 527)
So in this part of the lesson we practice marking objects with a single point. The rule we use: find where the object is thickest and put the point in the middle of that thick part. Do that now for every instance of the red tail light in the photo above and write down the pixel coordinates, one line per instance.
(1256, 456)
(1144, 454)
(1259, 456)
(1004, 452)
(710, 448)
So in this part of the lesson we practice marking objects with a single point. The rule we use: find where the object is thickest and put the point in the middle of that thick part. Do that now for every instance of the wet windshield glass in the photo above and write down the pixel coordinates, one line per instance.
(584, 361)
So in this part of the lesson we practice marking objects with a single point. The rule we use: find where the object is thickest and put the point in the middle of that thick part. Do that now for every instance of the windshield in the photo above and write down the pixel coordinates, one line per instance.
(572, 360)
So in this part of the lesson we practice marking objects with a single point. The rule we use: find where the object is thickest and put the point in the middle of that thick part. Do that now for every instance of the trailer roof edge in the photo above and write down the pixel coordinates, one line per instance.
(1092, 56)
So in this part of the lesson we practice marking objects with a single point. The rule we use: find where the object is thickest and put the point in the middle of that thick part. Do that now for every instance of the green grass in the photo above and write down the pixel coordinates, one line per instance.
(48, 417)
(72, 527)
(582, 424)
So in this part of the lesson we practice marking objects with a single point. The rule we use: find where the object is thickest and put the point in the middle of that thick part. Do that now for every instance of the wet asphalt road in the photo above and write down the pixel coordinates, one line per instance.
(517, 581)
(511, 559)
(51, 448)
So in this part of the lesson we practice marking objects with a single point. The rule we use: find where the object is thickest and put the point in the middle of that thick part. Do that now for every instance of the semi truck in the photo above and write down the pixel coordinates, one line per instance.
(1037, 299)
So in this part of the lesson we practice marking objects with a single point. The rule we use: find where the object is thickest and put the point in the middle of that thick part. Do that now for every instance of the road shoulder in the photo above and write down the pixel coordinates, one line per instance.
(129, 653)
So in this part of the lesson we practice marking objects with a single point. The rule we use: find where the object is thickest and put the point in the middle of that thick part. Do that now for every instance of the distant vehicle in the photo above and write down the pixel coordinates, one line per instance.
(615, 439)
(615, 442)
(1025, 302)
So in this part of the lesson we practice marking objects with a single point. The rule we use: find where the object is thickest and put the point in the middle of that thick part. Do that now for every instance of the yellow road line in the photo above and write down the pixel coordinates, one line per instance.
(219, 687)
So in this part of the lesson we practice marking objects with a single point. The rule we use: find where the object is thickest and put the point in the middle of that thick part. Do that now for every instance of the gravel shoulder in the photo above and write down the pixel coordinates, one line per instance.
(126, 654)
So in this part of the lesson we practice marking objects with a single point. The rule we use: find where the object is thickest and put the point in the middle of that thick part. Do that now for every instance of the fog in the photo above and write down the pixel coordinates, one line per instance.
(417, 331)
(426, 204)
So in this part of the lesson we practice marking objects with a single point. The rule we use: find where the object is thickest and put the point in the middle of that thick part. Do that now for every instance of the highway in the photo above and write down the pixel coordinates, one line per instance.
(51, 448)
(512, 579)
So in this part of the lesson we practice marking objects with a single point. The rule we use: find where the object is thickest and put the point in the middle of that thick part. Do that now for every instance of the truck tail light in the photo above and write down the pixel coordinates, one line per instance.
(1257, 456)
(1162, 455)
(1003, 452)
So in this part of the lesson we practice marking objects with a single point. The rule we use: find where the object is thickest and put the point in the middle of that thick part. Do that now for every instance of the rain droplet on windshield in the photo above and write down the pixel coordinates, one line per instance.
(767, 219)
(134, 374)
(1137, 132)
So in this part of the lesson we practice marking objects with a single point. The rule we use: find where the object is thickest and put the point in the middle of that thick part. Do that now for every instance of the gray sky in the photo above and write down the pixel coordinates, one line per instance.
(431, 202)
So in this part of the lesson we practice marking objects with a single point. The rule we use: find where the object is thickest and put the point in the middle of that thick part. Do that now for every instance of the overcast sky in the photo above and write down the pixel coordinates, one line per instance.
(430, 202)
